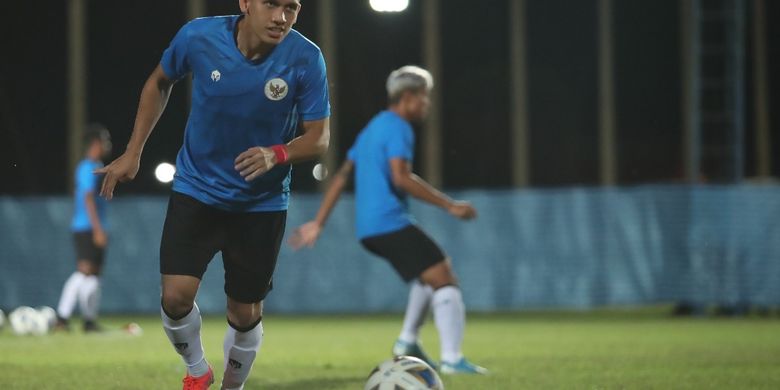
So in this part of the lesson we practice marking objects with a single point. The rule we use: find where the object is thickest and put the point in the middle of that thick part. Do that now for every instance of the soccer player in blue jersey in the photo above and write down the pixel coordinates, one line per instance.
(89, 235)
(382, 158)
(254, 80)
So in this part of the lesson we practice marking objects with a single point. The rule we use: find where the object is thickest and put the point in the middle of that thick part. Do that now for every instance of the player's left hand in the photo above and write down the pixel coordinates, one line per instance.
(255, 162)
(121, 170)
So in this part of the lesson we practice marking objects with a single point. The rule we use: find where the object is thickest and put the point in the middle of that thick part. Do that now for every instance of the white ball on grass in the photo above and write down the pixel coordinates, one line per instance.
(49, 315)
(133, 329)
(24, 320)
(403, 373)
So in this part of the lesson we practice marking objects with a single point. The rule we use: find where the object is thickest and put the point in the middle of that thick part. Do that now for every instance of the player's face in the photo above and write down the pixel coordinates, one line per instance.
(105, 147)
(271, 20)
(417, 104)
(100, 148)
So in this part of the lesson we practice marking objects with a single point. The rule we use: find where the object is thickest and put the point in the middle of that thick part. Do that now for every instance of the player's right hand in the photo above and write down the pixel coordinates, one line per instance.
(462, 210)
(306, 235)
(121, 170)
(99, 238)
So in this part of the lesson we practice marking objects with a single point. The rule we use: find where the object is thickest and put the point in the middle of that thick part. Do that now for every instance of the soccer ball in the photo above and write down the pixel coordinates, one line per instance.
(133, 329)
(49, 315)
(26, 320)
(403, 373)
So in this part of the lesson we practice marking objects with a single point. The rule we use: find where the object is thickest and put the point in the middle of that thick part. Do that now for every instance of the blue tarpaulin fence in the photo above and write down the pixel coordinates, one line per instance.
(572, 248)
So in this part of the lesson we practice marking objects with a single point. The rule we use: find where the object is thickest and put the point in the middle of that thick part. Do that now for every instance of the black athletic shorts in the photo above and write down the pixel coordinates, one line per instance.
(249, 241)
(86, 248)
(409, 250)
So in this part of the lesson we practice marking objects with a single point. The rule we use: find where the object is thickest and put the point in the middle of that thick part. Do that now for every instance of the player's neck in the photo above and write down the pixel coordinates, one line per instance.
(249, 44)
(398, 111)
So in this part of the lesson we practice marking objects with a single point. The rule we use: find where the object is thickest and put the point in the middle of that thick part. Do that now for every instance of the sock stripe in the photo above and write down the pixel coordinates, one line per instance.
(447, 285)
(169, 315)
(245, 328)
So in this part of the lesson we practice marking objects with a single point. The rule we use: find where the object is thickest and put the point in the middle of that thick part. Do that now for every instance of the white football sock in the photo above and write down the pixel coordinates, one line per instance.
(240, 350)
(416, 309)
(449, 313)
(184, 334)
(69, 295)
(89, 297)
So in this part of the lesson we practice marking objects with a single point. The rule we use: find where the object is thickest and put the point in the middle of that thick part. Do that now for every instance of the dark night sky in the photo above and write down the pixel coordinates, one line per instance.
(127, 38)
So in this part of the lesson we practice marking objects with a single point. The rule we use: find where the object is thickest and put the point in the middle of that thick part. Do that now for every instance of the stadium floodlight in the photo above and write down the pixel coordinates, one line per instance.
(164, 172)
(389, 5)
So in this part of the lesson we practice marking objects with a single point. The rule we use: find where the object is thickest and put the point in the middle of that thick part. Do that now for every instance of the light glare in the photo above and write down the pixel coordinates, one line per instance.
(164, 172)
(389, 5)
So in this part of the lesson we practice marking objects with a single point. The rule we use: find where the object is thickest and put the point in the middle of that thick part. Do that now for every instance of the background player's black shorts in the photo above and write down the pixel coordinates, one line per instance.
(194, 232)
(86, 248)
(409, 250)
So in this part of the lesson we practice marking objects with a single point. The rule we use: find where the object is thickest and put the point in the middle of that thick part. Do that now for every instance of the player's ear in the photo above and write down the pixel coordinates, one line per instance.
(297, 12)
(407, 97)
(244, 5)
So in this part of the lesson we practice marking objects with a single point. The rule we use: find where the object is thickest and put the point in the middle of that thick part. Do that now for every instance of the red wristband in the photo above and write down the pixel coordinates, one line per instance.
(281, 153)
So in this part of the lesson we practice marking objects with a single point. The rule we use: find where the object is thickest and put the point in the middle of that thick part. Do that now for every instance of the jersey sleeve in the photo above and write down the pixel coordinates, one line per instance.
(351, 153)
(313, 99)
(86, 181)
(400, 143)
(175, 59)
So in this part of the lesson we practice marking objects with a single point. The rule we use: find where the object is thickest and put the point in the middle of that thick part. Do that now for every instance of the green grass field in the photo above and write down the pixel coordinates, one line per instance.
(600, 350)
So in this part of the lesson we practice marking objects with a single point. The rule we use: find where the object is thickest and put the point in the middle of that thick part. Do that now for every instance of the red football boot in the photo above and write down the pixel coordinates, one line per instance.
(199, 382)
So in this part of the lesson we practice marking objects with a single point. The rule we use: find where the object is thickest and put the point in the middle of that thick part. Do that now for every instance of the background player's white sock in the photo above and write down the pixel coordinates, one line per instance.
(416, 309)
(449, 313)
(185, 337)
(240, 351)
(89, 297)
(70, 294)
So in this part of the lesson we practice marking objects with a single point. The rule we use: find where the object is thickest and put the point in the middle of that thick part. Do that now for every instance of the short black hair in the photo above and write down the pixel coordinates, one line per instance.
(95, 132)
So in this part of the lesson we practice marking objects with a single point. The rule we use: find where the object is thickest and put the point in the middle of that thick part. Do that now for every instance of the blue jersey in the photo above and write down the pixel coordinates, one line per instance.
(87, 183)
(238, 104)
(380, 207)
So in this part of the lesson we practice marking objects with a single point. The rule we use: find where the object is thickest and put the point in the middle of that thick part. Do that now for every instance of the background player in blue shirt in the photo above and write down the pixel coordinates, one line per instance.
(89, 235)
(382, 159)
(254, 80)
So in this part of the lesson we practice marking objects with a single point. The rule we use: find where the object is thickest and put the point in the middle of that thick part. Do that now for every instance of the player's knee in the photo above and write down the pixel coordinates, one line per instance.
(439, 275)
(85, 267)
(243, 315)
(93, 270)
(176, 304)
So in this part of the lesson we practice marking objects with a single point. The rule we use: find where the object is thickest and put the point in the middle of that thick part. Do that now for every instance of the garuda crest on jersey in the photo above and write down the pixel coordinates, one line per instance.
(276, 89)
